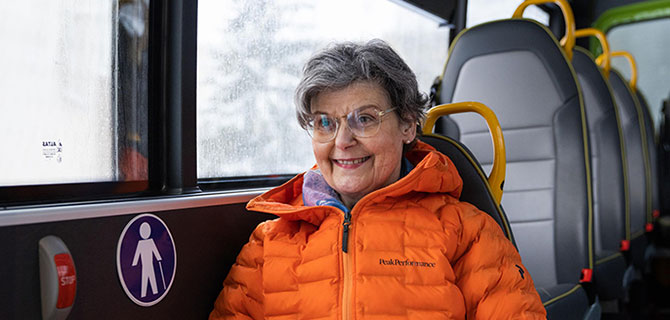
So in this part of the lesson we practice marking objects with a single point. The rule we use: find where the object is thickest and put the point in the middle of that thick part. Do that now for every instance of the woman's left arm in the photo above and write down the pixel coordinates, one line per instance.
(489, 272)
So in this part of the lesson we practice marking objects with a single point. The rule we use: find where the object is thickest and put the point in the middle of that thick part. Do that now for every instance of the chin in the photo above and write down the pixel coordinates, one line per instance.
(349, 188)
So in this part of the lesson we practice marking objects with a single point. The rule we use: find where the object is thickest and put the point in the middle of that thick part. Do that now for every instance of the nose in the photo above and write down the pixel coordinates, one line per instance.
(344, 138)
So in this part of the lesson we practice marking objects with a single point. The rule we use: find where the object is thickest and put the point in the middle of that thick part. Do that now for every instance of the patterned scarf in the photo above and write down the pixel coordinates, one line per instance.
(317, 192)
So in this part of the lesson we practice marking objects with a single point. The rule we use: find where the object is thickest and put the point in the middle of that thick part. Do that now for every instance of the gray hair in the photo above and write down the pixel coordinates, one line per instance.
(341, 64)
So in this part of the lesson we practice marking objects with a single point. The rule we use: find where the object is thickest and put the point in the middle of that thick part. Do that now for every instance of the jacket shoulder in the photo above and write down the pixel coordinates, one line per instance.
(283, 230)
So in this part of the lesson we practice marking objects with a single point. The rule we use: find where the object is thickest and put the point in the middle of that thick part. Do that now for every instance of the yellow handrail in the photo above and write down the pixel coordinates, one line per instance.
(568, 40)
(497, 176)
(633, 67)
(603, 60)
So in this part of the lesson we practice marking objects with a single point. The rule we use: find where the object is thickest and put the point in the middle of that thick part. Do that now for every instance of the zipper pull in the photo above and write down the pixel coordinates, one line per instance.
(345, 231)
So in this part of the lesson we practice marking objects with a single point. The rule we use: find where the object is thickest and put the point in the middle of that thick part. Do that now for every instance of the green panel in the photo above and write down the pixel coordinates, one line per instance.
(628, 14)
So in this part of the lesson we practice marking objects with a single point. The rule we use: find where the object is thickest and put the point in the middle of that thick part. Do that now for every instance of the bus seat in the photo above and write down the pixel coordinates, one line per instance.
(608, 175)
(653, 201)
(477, 188)
(652, 156)
(447, 127)
(517, 68)
(664, 157)
(629, 112)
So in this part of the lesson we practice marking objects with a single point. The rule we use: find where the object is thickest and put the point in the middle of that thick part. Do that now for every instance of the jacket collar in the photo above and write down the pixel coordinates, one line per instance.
(433, 173)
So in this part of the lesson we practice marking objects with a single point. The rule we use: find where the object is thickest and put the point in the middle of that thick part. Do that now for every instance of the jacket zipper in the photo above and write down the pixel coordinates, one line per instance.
(345, 231)
(346, 267)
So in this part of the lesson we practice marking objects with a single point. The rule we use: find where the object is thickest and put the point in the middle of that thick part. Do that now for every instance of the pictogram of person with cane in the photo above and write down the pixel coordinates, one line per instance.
(144, 253)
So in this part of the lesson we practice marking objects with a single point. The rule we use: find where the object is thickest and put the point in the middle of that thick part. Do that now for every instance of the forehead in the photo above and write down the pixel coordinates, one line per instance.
(349, 98)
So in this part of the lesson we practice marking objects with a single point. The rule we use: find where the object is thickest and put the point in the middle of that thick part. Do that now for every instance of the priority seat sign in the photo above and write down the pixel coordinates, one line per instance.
(146, 259)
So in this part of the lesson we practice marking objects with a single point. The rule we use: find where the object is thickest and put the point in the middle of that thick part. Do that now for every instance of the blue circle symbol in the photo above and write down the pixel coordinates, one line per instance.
(146, 259)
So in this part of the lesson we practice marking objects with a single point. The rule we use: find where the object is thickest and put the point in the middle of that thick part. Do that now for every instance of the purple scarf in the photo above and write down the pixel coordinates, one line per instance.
(317, 192)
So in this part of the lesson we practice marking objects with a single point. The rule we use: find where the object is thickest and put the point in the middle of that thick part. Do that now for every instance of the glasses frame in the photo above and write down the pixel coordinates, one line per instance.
(380, 114)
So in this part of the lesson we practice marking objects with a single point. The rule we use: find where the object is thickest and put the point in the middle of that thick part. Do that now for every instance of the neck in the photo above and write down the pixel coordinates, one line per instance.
(349, 202)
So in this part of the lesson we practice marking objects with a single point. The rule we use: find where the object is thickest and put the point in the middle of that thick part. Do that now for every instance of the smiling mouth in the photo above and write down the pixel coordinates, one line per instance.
(351, 162)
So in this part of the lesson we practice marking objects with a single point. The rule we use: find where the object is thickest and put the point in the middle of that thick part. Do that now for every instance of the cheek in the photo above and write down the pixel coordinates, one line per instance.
(388, 156)
(321, 151)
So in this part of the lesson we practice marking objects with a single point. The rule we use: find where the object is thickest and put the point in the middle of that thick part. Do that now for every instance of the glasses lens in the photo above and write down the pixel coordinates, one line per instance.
(364, 122)
(323, 127)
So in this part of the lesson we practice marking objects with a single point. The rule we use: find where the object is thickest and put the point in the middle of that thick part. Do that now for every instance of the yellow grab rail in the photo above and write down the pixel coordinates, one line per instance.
(633, 67)
(568, 40)
(603, 60)
(497, 176)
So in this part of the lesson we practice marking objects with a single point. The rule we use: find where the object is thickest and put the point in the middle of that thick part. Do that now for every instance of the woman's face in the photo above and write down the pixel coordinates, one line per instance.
(356, 166)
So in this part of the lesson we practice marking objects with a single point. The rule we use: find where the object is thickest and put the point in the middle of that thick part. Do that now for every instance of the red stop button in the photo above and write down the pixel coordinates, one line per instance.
(67, 280)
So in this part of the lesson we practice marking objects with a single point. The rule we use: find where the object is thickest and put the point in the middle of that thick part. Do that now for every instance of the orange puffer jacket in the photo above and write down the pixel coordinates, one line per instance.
(414, 252)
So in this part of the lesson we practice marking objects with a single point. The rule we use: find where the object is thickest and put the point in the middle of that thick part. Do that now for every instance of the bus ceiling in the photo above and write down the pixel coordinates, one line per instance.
(443, 9)
(449, 13)
(452, 13)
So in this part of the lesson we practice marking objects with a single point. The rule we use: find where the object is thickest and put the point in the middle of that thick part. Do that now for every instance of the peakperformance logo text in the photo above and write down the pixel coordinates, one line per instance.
(406, 263)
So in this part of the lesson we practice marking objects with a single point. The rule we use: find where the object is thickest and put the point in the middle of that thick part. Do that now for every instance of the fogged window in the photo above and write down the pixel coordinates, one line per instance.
(250, 57)
(480, 11)
(72, 91)
(651, 56)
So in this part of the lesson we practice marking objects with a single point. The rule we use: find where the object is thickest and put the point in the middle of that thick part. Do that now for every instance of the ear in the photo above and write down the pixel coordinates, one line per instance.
(408, 130)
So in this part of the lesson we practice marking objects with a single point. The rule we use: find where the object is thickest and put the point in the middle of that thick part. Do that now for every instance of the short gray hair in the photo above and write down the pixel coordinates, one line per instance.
(341, 64)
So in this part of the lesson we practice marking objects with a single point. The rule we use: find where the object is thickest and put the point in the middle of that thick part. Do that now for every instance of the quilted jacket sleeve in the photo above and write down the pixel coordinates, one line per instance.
(489, 272)
(242, 294)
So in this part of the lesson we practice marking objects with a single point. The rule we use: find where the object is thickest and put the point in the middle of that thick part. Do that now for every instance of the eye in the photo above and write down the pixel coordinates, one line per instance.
(324, 123)
(365, 118)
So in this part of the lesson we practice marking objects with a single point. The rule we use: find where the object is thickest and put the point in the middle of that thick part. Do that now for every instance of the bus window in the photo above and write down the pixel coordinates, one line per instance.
(250, 55)
(72, 92)
(650, 53)
(480, 11)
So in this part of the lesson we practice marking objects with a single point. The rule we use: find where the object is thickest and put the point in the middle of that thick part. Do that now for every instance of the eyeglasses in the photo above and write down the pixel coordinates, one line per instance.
(363, 122)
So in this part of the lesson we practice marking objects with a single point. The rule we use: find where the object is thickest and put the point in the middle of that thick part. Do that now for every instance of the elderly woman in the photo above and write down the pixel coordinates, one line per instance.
(375, 230)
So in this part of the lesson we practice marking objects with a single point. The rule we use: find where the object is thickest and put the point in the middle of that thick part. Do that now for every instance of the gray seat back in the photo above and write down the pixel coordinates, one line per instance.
(652, 185)
(608, 174)
(607, 163)
(629, 114)
(517, 69)
(475, 185)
